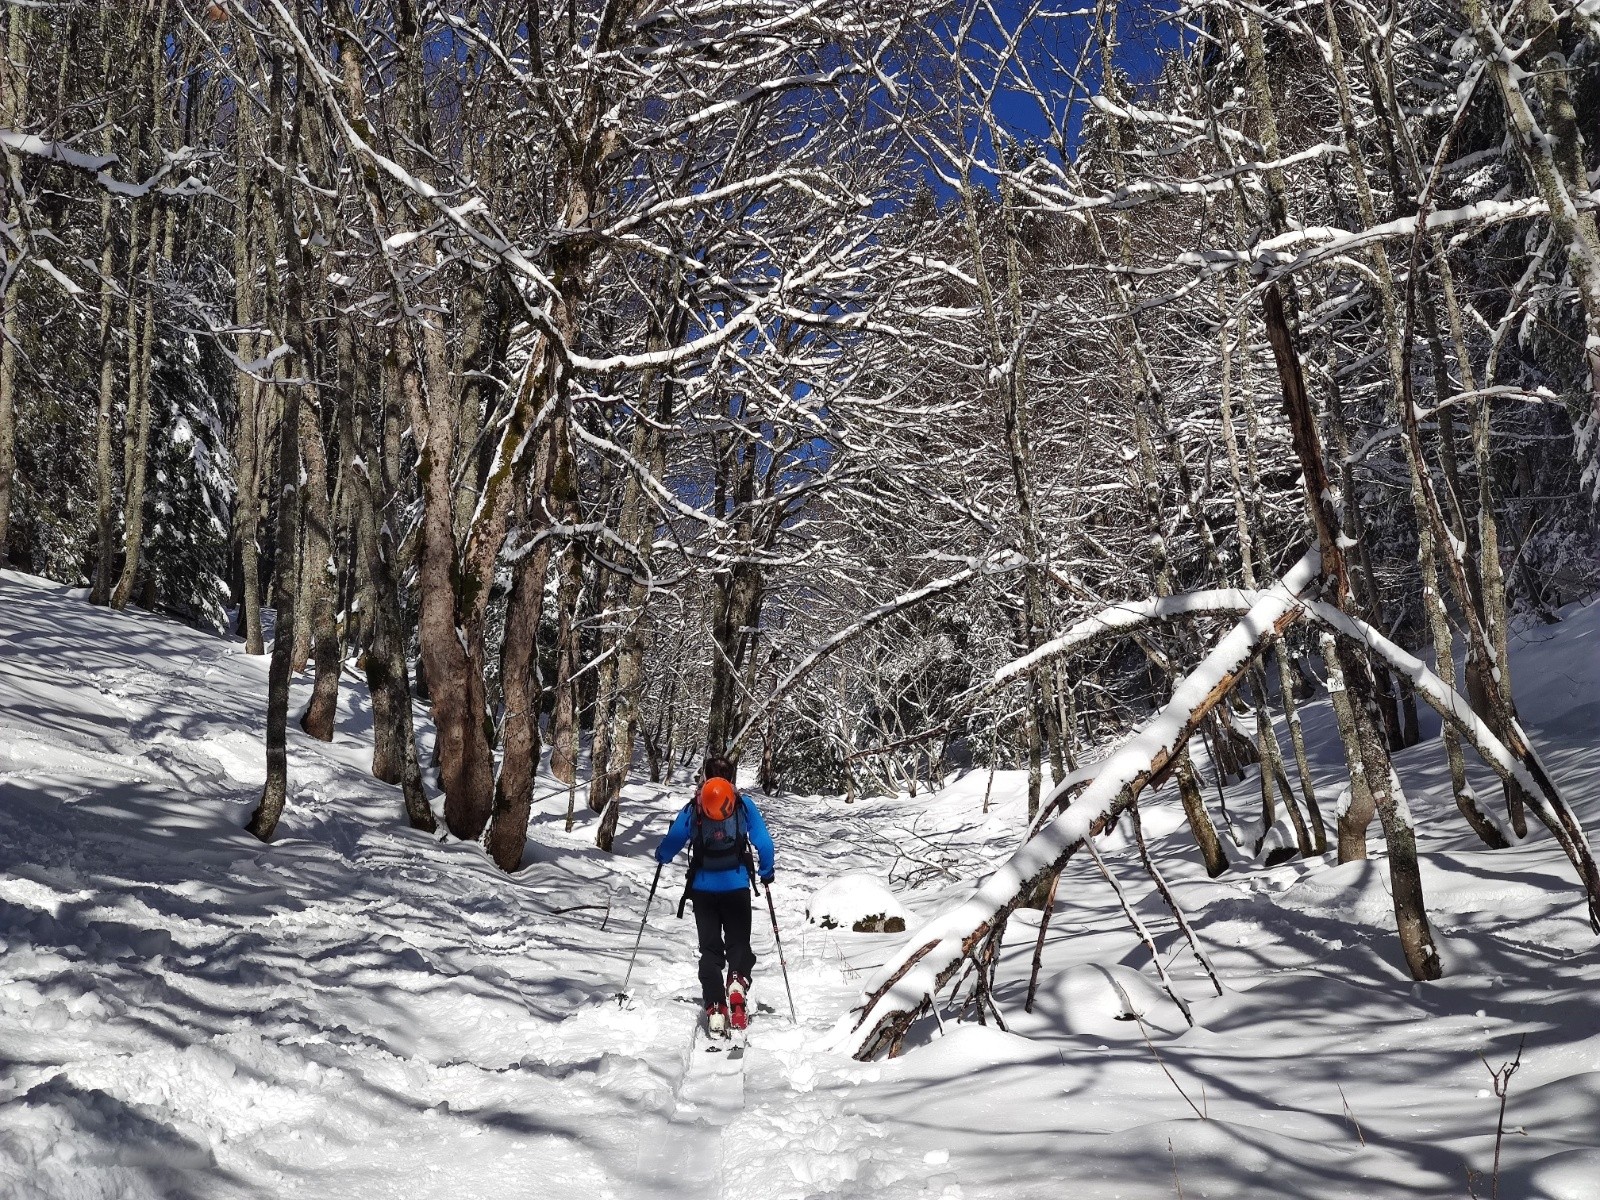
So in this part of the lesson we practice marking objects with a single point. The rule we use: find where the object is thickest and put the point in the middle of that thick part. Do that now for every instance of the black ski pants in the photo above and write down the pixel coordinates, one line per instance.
(722, 919)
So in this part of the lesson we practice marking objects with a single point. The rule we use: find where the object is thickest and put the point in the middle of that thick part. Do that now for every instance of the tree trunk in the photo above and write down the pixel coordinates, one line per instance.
(522, 689)
(264, 820)
(317, 600)
(564, 745)
(638, 529)
(394, 743)
(513, 797)
(105, 415)
(1297, 738)
(737, 600)
(14, 116)
(1194, 808)
(1358, 810)
(452, 656)
(1405, 876)
(605, 698)
(307, 585)
(255, 401)
(105, 488)
(8, 402)
(378, 661)
(136, 443)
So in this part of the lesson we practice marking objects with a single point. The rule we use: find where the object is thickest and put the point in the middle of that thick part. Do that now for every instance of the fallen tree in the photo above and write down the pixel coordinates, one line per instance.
(904, 988)
(1514, 760)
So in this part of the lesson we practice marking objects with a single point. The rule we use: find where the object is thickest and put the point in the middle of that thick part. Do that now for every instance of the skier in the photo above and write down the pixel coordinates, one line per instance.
(720, 827)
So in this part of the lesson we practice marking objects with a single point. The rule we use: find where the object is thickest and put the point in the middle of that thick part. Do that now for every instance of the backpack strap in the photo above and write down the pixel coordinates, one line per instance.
(749, 848)
(694, 854)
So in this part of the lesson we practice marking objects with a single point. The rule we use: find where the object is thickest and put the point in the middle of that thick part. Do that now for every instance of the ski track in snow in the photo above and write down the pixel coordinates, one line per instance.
(684, 1155)
(360, 1009)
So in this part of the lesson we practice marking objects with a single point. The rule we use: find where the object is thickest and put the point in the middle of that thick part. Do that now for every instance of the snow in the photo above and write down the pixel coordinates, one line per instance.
(841, 903)
(359, 1009)
(1106, 1000)
(27, 143)
(941, 944)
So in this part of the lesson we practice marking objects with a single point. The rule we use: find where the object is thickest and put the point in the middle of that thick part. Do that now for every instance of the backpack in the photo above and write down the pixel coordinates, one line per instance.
(718, 845)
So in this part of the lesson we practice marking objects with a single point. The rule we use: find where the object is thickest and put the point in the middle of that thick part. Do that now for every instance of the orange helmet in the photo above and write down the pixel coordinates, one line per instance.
(717, 799)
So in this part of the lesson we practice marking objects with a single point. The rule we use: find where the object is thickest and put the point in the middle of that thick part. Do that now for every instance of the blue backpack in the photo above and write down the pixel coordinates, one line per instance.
(717, 846)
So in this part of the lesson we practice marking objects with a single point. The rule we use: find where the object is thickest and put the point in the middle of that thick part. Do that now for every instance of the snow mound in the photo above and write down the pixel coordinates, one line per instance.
(1102, 999)
(857, 902)
(1458, 884)
(238, 753)
(63, 1140)
(968, 1049)
(1570, 1175)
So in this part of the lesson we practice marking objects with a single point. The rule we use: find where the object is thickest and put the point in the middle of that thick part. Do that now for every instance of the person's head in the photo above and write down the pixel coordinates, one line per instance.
(719, 766)
(717, 798)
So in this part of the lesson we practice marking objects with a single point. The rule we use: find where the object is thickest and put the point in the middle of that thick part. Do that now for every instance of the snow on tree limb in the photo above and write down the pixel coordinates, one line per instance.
(27, 143)
(1124, 618)
(900, 991)
(95, 165)
(1518, 765)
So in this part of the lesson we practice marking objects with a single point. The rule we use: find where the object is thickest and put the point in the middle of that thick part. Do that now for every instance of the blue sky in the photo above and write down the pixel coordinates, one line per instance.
(1142, 34)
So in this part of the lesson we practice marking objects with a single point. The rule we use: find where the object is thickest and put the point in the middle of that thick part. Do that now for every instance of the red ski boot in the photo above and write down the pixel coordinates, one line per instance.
(737, 986)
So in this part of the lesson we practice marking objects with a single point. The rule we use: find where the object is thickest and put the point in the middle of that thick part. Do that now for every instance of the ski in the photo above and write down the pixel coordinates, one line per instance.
(731, 1045)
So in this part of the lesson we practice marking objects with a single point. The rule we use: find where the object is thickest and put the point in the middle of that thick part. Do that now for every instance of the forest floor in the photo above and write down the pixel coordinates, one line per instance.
(363, 1010)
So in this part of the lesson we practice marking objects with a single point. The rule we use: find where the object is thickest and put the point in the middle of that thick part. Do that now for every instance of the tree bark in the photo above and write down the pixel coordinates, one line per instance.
(13, 115)
(522, 688)
(264, 820)
(453, 661)
(136, 443)
(638, 530)
(1405, 877)
(394, 743)
(564, 717)
(609, 638)
(1297, 738)
(1358, 810)
(105, 414)
(254, 397)
(1200, 825)
(318, 598)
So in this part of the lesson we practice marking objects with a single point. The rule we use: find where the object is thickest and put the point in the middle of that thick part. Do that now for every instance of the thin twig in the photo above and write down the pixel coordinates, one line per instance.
(1162, 1064)
(1038, 946)
(1139, 928)
(1172, 903)
(1502, 1087)
(1350, 1112)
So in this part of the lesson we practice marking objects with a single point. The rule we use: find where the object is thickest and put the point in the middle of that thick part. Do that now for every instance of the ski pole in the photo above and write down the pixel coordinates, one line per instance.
(776, 941)
(623, 994)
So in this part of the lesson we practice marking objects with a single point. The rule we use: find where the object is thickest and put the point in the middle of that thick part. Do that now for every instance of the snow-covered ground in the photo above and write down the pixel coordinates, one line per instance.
(361, 1010)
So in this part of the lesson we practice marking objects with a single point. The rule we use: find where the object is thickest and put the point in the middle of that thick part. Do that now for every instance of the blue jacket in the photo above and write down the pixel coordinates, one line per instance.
(720, 881)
